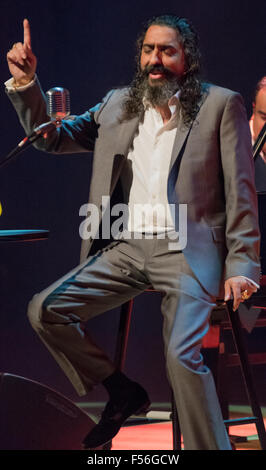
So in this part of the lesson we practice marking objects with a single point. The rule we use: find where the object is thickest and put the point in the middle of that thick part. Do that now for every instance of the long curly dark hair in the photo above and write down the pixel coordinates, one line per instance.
(190, 84)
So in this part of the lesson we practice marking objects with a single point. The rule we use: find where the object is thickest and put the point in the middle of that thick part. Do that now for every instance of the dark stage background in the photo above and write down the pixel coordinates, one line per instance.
(88, 47)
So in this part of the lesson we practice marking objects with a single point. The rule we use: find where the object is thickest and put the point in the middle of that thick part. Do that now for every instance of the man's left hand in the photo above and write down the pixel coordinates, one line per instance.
(238, 288)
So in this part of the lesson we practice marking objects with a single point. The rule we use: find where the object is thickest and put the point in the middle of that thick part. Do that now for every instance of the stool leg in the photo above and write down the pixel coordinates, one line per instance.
(175, 425)
(122, 336)
(121, 344)
(221, 377)
(247, 373)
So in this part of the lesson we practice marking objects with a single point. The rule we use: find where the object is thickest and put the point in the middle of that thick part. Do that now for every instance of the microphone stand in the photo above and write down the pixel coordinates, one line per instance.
(25, 143)
(40, 131)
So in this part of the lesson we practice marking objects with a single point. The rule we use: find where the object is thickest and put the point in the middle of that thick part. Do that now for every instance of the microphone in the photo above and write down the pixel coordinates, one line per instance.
(58, 108)
(58, 103)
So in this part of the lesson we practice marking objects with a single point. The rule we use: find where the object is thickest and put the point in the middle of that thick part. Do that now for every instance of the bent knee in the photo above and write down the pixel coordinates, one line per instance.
(188, 359)
(36, 310)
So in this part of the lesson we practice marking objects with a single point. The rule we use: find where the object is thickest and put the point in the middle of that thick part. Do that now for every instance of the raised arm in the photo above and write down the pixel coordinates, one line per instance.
(76, 134)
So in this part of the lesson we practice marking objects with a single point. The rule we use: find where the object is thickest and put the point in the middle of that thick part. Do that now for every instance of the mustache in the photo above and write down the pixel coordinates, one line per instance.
(157, 68)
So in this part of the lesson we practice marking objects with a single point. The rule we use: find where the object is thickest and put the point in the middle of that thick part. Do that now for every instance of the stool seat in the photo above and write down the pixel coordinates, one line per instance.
(23, 235)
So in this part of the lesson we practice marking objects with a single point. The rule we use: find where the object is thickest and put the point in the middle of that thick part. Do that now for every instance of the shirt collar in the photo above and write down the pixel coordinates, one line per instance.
(172, 103)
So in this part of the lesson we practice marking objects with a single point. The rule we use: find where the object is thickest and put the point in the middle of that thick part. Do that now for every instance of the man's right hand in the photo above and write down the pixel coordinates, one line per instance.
(21, 61)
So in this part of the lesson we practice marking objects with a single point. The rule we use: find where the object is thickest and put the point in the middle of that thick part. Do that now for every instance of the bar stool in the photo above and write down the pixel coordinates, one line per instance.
(232, 322)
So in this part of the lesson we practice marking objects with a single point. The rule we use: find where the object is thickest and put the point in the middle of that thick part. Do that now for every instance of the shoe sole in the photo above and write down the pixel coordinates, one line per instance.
(142, 409)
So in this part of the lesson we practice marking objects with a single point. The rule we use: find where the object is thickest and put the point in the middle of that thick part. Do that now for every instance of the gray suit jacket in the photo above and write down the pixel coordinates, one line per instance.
(215, 178)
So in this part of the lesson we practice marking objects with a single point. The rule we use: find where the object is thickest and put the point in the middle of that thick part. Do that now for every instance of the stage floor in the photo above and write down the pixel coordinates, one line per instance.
(158, 435)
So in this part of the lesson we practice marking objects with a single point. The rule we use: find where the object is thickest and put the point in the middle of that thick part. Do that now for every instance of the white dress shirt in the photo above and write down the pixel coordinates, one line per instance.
(150, 156)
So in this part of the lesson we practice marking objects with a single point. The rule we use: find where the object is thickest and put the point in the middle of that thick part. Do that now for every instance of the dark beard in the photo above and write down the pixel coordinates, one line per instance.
(157, 93)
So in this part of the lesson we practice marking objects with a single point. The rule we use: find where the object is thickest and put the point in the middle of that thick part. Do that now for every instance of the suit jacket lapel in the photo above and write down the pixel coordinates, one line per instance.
(124, 139)
(182, 132)
(180, 138)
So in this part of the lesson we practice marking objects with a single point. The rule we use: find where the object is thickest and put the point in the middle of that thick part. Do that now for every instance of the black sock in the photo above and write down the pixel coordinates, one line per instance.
(116, 384)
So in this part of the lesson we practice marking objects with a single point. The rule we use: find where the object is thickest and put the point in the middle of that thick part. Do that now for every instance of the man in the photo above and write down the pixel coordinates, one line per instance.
(167, 139)
(256, 123)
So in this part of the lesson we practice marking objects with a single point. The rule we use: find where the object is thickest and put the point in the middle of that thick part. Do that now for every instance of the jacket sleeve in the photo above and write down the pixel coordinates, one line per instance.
(242, 229)
(76, 134)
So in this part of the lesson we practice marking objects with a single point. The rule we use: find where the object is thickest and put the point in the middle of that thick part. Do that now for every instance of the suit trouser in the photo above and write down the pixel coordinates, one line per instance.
(108, 279)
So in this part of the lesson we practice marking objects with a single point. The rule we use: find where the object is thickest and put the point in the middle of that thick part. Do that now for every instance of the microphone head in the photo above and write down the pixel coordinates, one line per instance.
(58, 103)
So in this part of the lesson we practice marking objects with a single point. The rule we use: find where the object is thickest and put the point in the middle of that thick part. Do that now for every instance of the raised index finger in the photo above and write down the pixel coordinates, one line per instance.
(27, 36)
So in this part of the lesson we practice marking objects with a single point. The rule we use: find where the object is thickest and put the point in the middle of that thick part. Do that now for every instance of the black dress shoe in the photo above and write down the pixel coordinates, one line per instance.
(133, 400)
